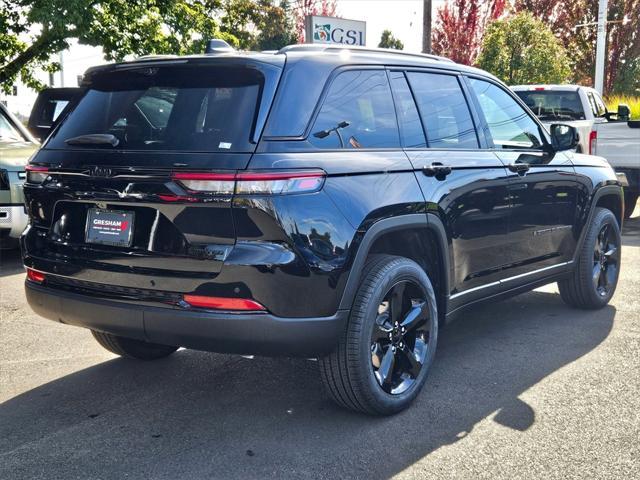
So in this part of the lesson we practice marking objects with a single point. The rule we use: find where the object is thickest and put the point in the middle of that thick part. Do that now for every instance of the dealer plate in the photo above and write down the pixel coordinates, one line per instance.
(109, 227)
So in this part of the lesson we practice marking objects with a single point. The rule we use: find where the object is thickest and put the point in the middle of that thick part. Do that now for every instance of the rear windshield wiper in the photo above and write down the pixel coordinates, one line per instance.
(94, 139)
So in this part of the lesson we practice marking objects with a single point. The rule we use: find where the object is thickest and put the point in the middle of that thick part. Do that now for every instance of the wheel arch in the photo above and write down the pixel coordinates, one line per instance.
(607, 196)
(419, 237)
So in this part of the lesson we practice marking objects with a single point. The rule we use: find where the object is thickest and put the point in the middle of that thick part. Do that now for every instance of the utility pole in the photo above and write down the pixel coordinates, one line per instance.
(601, 45)
(426, 26)
(61, 69)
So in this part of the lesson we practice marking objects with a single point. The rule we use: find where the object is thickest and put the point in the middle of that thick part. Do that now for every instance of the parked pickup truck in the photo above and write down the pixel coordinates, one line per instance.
(607, 134)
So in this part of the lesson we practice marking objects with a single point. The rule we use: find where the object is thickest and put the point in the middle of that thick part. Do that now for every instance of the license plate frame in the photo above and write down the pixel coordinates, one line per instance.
(109, 232)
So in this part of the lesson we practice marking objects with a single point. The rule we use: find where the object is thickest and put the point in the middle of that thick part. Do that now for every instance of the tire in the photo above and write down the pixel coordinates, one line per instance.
(630, 201)
(373, 344)
(132, 348)
(594, 279)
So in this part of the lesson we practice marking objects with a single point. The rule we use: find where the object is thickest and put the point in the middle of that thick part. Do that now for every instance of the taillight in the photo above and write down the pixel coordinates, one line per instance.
(220, 183)
(252, 183)
(36, 174)
(279, 183)
(223, 303)
(593, 142)
(35, 275)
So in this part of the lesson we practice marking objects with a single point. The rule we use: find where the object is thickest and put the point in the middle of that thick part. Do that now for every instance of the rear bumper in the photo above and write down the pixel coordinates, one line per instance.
(255, 333)
(13, 218)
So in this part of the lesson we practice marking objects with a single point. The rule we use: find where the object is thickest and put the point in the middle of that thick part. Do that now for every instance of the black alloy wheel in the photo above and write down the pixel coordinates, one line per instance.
(385, 353)
(596, 268)
(400, 338)
(606, 261)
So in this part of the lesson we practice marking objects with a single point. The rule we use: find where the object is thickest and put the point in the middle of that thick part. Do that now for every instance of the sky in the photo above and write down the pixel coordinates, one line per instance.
(402, 17)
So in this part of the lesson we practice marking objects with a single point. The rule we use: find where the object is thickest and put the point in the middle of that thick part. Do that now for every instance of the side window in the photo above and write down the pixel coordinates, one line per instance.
(592, 104)
(408, 117)
(509, 124)
(600, 107)
(444, 111)
(357, 112)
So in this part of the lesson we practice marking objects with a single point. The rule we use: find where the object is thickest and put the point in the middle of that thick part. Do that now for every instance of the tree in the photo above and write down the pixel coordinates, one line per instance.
(460, 26)
(387, 40)
(276, 25)
(522, 50)
(574, 23)
(302, 8)
(31, 31)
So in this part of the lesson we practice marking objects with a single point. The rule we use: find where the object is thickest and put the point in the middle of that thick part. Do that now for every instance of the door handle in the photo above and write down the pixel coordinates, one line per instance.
(436, 169)
(519, 168)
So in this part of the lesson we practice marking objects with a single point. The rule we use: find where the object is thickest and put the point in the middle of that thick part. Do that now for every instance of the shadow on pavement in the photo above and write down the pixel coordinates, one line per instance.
(631, 232)
(10, 262)
(201, 415)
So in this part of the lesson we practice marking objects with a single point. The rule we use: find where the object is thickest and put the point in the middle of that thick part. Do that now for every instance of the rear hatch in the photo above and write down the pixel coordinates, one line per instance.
(134, 187)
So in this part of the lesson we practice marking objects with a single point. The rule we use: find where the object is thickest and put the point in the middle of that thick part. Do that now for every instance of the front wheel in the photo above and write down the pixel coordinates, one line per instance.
(596, 272)
(383, 358)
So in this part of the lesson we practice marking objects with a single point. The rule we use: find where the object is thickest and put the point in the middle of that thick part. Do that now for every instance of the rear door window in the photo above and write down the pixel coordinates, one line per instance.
(200, 109)
(357, 113)
(411, 129)
(444, 110)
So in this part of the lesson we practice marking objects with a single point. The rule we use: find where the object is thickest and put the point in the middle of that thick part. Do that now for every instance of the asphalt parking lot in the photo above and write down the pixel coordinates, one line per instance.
(526, 388)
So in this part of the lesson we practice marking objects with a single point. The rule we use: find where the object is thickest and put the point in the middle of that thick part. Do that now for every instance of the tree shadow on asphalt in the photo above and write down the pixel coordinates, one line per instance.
(631, 232)
(202, 415)
(10, 262)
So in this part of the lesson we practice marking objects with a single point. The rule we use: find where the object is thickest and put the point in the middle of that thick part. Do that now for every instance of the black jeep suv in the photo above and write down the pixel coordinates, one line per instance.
(322, 202)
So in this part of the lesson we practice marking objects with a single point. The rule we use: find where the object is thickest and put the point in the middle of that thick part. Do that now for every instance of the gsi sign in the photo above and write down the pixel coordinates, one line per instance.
(335, 30)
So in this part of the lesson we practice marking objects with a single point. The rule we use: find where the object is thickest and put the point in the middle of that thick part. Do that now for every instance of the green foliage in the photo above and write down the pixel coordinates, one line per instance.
(277, 27)
(522, 50)
(613, 101)
(259, 25)
(31, 31)
(628, 78)
(387, 40)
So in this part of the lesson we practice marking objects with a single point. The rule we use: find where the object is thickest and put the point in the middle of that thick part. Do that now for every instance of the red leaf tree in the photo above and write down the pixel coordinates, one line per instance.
(460, 25)
(573, 22)
(302, 8)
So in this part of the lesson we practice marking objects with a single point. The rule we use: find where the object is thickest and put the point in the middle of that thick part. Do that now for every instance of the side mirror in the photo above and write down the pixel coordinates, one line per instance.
(624, 112)
(563, 137)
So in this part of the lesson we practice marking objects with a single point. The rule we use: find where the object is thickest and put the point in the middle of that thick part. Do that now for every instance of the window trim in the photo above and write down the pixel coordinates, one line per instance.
(485, 126)
(395, 106)
(325, 92)
(482, 143)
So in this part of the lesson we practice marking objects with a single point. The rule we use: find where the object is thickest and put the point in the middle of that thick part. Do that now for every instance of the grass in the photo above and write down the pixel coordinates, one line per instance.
(633, 102)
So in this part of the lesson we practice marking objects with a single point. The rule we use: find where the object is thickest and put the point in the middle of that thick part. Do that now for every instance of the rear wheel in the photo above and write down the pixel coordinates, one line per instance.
(386, 351)
(630, 201)
(132, 348)
(595, 276)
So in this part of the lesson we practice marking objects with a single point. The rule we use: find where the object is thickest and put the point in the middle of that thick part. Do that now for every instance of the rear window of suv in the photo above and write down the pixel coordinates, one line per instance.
(170, 108)
(553, 104)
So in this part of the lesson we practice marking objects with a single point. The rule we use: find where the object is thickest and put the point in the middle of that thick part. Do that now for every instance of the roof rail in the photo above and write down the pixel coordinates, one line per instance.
(309, 47)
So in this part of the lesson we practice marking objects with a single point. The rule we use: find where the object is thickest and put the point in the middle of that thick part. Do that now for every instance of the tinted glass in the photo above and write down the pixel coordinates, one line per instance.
(444, 110)
(8, 133)
(170, 108)
(509, 124)
(408, 117)
(553, 105)
(357, 113)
